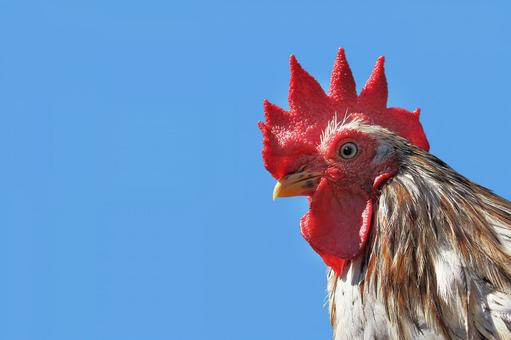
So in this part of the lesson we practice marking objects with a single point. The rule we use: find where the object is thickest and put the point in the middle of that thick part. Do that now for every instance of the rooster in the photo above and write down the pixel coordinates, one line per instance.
(415, 249)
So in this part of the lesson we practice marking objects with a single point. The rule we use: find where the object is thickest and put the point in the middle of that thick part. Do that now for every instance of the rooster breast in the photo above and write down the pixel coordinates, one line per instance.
(359, 314)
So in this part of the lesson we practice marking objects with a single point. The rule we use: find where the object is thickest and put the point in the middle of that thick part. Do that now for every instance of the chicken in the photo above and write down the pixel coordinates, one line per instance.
(415, 249)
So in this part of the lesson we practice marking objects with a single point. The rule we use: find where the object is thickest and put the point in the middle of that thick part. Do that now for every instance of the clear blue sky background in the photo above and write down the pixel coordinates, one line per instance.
(133, 200)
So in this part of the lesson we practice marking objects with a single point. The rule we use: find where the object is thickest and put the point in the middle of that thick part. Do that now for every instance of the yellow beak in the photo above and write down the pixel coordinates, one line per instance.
(297, 184)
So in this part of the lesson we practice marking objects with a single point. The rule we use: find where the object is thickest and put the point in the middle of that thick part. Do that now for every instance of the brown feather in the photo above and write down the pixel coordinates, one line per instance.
(426, 210)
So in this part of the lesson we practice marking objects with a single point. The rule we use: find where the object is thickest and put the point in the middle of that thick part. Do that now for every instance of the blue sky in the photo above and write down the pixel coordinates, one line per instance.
(134, 203)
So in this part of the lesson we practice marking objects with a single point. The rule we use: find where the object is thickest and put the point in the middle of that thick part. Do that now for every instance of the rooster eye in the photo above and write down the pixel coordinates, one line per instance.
(348, 150)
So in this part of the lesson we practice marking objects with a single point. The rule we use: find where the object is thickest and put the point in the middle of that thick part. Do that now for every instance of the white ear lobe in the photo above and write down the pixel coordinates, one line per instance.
(382, 153)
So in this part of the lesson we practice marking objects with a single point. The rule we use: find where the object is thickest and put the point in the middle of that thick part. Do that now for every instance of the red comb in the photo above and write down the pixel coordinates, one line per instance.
(290, 138)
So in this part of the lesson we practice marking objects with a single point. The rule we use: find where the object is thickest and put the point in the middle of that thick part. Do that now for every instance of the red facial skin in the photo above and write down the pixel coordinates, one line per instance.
(339, 220)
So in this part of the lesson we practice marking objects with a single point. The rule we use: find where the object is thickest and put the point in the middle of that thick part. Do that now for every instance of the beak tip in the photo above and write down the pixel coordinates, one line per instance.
(276, 191)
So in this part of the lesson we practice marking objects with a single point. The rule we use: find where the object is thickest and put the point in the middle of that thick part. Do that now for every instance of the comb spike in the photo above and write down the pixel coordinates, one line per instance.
(342, 84)
(374, 94)
(275, 114)
(305, 93)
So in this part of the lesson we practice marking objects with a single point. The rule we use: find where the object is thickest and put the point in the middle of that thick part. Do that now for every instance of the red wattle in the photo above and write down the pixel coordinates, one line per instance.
(338, 222)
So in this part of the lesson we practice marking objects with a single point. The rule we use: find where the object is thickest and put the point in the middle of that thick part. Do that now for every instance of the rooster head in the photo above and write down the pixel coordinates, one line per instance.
(312, 151)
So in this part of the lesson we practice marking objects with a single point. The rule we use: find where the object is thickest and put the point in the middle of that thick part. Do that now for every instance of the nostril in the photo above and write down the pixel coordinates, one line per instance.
(310, 184)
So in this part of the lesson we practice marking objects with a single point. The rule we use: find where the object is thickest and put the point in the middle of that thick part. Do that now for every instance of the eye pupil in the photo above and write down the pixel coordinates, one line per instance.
(348, 150)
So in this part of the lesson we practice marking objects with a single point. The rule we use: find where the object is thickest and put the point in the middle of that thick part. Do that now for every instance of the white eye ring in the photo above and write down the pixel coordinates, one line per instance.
(348, 150)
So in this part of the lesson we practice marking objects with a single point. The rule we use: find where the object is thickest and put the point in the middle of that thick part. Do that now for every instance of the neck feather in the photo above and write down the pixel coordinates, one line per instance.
(433, 226)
